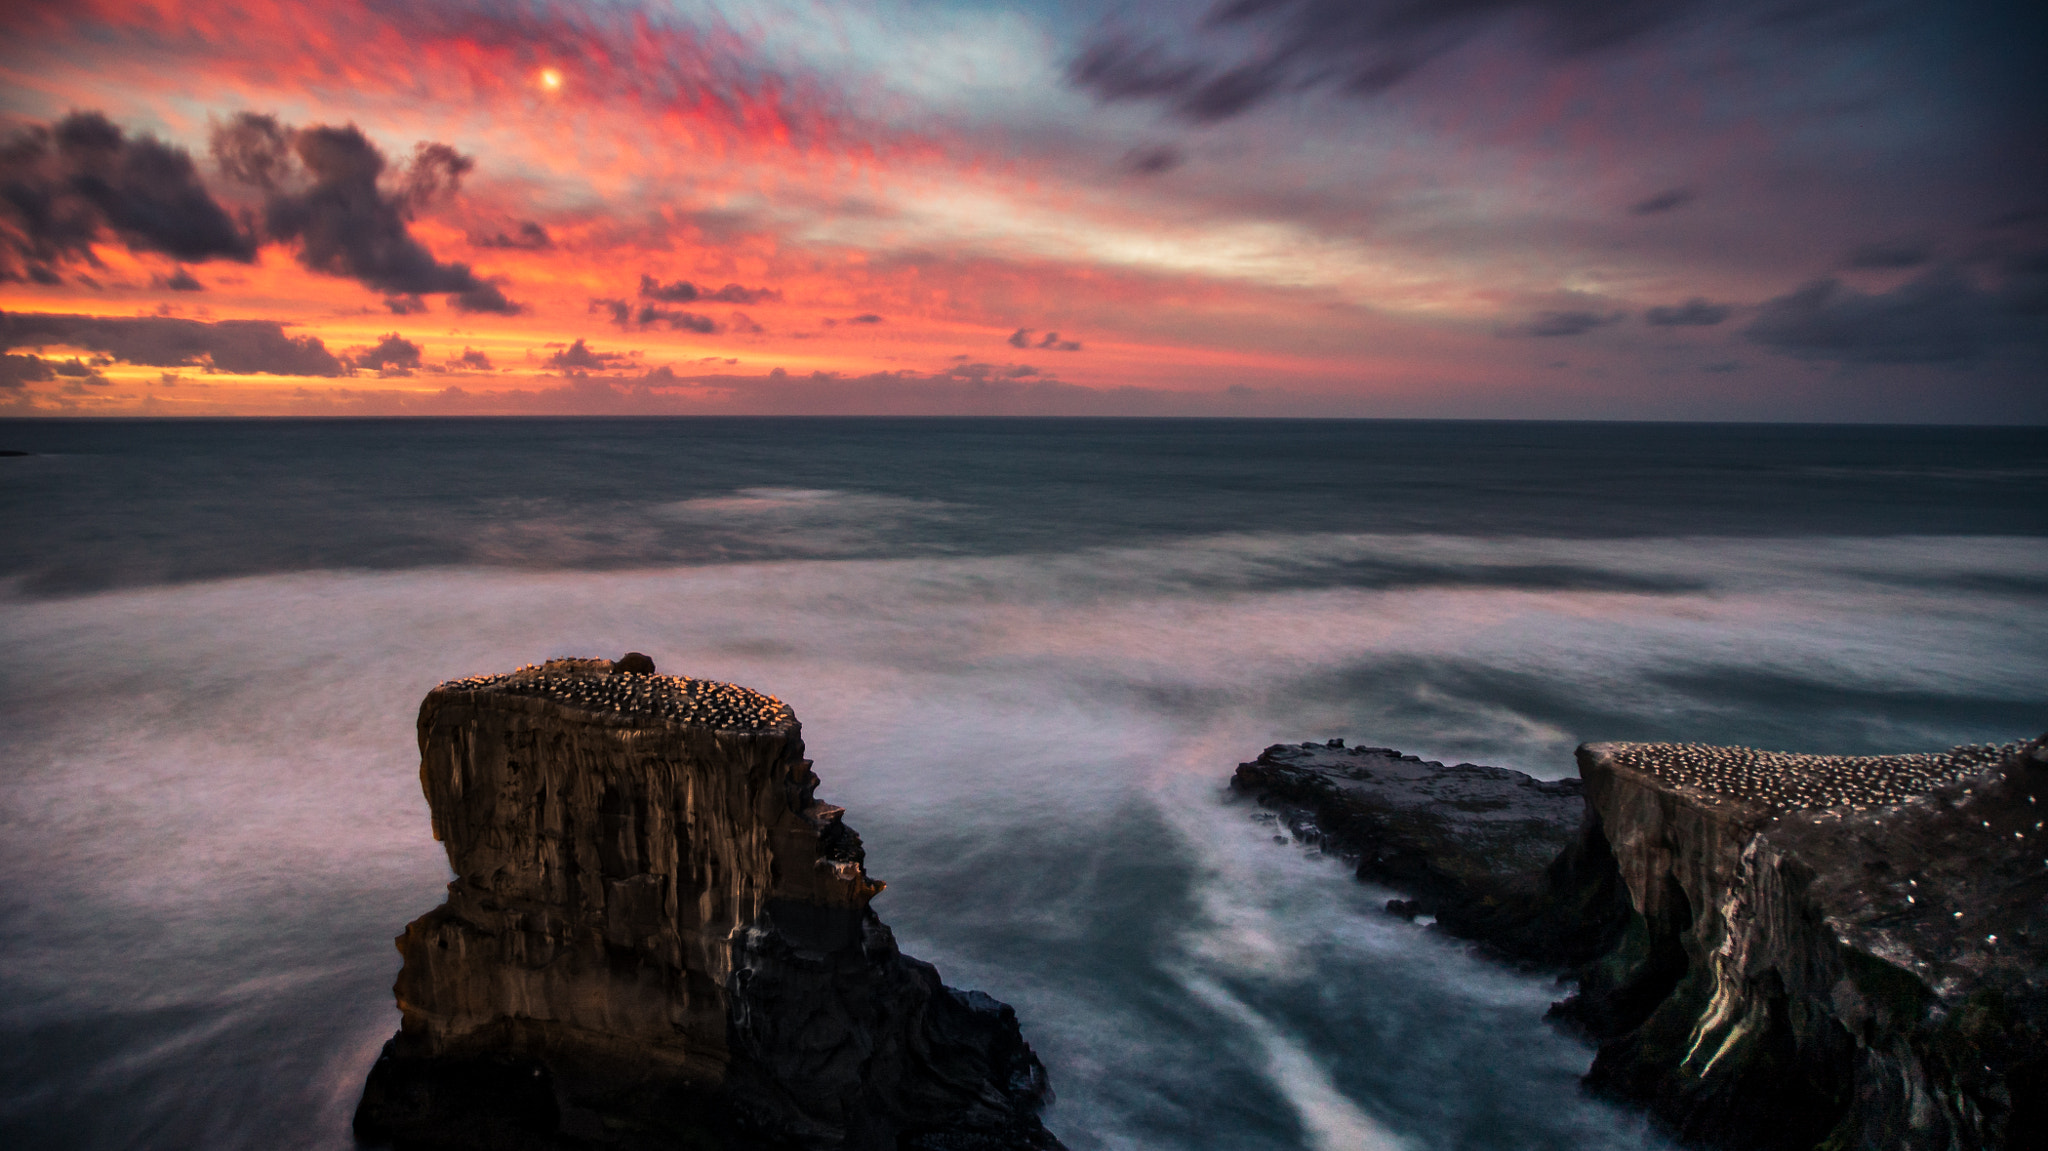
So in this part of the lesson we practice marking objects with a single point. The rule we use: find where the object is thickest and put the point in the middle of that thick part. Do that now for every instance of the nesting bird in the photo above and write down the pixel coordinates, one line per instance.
(699, 702)
(1793, 780)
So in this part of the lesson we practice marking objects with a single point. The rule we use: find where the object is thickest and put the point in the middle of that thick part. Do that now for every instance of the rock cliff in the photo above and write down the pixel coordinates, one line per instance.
(659, 937)
(1838, 952)
(1796, 952)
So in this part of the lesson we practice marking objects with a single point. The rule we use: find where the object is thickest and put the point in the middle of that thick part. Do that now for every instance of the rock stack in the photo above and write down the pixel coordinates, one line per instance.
(1849, 952)
(658, 937)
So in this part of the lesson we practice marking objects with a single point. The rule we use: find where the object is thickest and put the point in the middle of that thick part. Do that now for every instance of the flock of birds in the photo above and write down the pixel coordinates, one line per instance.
(1791, 780)
(704, 702)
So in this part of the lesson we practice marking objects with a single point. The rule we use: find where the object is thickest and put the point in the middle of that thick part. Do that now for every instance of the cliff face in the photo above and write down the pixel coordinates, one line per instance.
(1792, 952)
(1826, 952)
(658, 936)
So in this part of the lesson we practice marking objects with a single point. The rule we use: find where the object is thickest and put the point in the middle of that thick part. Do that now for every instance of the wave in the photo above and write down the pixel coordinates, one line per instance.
(213, 824)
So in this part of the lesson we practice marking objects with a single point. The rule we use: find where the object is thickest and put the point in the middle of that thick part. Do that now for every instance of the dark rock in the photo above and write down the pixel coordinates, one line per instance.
(658, 938)
(1761, 971)
(634, 663)
(1864, 976)
(1495, 855)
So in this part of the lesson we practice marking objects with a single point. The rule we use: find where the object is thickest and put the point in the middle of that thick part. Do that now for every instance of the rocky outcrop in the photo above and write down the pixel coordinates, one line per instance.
(1493, 855)
(1826, 951)
(1796, 952)
(658, 937)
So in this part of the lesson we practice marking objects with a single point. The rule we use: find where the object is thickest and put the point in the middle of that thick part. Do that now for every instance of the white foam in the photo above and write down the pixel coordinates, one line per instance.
(210, 782)
(1331, 1121)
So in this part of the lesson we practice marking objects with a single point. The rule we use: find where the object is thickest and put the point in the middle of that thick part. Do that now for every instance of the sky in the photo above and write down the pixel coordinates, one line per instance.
(1828, 210)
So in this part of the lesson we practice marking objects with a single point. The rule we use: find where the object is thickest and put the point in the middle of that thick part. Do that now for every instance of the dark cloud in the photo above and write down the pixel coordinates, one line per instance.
(69, 185)
(580, 357)
(745, 325)
(1888, 254)
(1669, 200)
(473, 359)
(1939, 317)
(77, 371)
(1359, 47)
(1695, 312)
(18, 370)
(241, 346)
(625, 315)
(405, 305)
(393, 356)
(684, 292)
(1021, 338)
(528, 237)
(486, 296)
(1153, 161)
(324, 189)
(179, 280)
(677, 319)
(979, 371)
(1569, 323)
(679, 292)
(866, 318)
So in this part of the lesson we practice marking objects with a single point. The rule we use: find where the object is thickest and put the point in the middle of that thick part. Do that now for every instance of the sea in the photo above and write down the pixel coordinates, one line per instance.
(1027, 655)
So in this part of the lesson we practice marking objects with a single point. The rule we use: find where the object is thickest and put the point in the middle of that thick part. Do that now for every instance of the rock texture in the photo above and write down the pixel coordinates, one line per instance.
(1782, 951)
(659, 937)
(1494, 855)
(1826, 951)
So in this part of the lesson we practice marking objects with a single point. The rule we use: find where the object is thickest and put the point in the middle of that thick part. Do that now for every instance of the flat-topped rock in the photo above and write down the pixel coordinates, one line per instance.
(1839, 951)
(659, 937)
(1786, 780)
(630, 690)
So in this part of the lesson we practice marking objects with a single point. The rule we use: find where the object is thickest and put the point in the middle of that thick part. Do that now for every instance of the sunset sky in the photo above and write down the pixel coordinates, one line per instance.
(1754, 209)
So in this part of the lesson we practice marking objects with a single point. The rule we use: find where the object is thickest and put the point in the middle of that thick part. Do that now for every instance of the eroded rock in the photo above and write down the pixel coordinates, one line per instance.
(1774, 950)
(1827, 951)
(1495, 855)
(659, 937)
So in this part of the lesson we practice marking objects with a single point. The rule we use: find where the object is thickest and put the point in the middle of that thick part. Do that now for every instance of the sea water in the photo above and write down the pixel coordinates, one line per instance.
(1027, 655)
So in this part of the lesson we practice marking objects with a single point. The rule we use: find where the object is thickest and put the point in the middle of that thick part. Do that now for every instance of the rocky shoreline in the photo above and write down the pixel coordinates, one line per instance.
(1803, 953)
(658, 937)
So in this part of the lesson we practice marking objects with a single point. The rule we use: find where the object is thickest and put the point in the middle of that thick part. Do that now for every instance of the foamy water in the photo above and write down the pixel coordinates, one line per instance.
(1026, 656)
(213, 824)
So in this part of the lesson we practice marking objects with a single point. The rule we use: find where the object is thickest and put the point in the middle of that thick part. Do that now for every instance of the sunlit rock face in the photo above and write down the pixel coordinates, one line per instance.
(658, 936)
(1849, 952)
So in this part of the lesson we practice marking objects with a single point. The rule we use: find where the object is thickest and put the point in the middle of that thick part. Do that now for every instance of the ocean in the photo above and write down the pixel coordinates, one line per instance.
(1027, 655)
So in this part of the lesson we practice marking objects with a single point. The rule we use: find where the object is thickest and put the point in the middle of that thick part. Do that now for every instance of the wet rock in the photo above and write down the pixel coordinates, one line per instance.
(1495, 855)
(658, 937)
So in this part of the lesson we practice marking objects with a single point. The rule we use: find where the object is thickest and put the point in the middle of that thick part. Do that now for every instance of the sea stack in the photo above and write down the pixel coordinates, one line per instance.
(658, 937)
